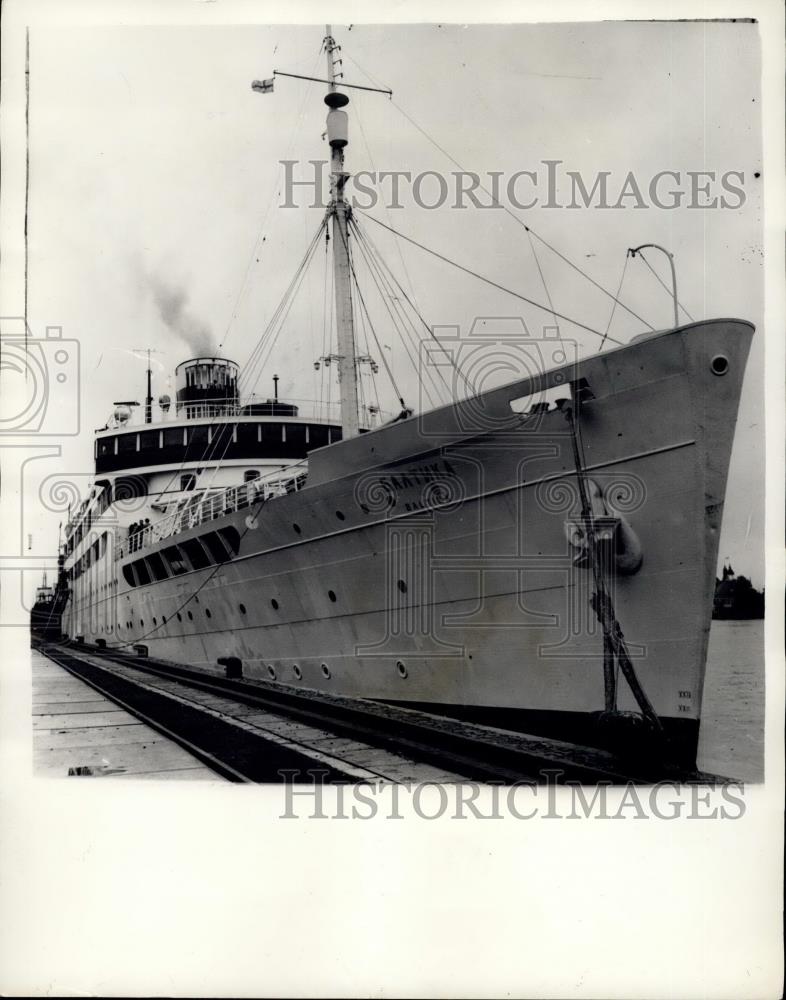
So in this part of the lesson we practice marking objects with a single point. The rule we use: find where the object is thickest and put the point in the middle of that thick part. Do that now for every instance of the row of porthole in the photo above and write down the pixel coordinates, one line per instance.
(400, 667)
(163, 619)
(242, 608)
(208, 614)
(275, 605)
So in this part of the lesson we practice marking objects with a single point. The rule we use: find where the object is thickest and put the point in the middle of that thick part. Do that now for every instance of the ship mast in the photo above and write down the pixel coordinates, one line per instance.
(340, 213)
(340, 210)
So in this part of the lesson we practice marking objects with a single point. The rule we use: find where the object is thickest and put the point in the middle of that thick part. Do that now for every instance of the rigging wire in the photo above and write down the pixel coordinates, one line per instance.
(446, 354)
(367, 351)
(209, 450)
(663, 285)
(332, 330)
(614, 304)
(543, 281)
(249, 523)
(386, 207)
(391, 281)
(360, 346)
(409, 340)
(488, 281)
(295, 127)
(371, 325)
(272, 338)
(321, 398)
(412, 339)
(513, 216)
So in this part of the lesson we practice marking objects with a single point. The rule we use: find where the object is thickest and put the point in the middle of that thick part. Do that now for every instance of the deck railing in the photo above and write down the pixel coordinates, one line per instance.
(209, 507)
(311, 410)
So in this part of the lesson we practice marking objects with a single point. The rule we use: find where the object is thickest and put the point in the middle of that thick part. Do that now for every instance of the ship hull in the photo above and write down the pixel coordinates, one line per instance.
(429, 563)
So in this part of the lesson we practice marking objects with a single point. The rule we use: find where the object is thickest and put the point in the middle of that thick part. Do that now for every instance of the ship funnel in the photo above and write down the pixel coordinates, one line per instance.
(207, 387)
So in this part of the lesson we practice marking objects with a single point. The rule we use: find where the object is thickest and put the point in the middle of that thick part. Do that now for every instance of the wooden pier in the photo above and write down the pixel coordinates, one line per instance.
(79, 732)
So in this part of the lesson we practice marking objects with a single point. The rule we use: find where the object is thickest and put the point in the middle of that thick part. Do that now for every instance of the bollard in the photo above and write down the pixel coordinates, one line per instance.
(233, 665)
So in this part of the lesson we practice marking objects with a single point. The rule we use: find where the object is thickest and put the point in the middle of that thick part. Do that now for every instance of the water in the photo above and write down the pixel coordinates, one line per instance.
(731, 740)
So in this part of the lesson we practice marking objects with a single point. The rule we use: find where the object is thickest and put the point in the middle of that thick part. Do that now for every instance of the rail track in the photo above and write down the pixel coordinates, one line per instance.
(251, 730)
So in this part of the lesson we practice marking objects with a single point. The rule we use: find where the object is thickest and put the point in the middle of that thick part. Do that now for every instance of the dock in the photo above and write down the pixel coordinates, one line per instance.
(78, 732)
(100, 712)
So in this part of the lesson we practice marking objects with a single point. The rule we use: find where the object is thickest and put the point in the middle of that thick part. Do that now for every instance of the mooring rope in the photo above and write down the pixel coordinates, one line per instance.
(614, 644)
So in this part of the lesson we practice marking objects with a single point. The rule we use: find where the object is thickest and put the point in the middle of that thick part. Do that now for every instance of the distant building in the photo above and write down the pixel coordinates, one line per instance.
(736, 598)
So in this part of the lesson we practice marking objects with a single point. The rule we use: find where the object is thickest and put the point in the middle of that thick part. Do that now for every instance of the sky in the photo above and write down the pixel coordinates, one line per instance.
(156, 194)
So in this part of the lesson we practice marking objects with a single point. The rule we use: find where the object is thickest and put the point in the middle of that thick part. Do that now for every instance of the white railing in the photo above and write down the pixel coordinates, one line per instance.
(209, 507)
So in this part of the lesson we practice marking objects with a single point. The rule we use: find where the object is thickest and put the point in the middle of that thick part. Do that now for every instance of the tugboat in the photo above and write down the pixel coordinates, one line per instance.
(47, 612)
(539, 555)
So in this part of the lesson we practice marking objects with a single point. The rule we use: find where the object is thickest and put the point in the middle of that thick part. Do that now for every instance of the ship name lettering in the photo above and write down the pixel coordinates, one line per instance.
(418, 476)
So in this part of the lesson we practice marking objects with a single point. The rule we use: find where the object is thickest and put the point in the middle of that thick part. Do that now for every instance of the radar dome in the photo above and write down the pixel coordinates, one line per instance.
(164, 402)
(122, 414)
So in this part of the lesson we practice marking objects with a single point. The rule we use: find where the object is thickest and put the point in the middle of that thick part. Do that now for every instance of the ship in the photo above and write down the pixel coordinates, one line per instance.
(47, 611)
(538, 556)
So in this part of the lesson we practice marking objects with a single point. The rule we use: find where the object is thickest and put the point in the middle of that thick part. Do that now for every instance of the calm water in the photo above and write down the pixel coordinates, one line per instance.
(732, 727)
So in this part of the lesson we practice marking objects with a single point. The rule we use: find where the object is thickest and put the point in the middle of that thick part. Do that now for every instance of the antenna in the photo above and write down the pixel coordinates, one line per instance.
(149, 397)
(340, 212)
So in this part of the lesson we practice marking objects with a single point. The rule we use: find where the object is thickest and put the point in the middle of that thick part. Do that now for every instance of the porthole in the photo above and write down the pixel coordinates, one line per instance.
(190, 616)
(207, 613)
(242, 608)
(272, 672)
(340, 516)
(155, 622)
(402, 586)
(163, 619)
(719, 364)
(297, 672)
(141, 623)
(325, 671)
(332, 595)
(296, 528)
(179, 617)
(402, 670)
(274, 604)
